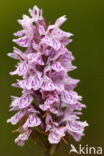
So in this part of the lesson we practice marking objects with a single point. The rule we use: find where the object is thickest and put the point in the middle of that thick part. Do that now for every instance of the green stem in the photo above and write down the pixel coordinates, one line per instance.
(51, 150)
(46, 153)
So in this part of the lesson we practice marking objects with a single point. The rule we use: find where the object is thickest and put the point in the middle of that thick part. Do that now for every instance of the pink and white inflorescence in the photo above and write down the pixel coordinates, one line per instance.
(44, 68)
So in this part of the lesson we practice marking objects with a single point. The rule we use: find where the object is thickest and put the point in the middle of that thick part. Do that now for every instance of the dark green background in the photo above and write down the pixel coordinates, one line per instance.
(86, 21)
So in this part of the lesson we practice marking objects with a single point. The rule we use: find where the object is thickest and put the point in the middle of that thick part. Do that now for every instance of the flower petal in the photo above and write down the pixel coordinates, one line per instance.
(22, 42)
(52, 43)
(33, 82)
(15, 119)
(32, 121)
(35, 58)
(60, 20)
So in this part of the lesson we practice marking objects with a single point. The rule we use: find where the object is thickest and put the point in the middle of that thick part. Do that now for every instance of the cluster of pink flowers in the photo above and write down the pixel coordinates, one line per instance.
(44, 68)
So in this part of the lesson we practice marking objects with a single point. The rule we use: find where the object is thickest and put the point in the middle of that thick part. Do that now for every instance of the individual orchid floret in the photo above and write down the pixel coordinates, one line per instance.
(48, 107)
(23, 137)
(36, 13)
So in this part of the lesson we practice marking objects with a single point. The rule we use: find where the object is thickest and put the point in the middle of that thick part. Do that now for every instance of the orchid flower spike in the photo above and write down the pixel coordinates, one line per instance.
(48, 99)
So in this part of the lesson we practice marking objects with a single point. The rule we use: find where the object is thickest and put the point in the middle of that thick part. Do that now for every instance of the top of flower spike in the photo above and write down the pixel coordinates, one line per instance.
(50, 35)
(36, 14)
